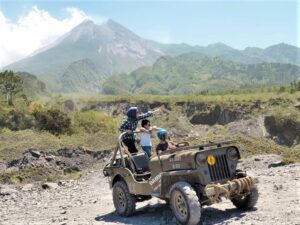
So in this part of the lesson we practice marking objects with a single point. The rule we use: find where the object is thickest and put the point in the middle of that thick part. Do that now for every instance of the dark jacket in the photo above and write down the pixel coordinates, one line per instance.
(130, 122)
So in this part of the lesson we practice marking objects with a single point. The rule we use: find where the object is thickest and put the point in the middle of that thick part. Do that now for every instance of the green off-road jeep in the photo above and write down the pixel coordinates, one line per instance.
(187, 177)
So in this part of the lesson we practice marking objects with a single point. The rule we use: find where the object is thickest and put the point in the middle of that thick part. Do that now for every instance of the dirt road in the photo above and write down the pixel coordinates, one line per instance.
(89, 201)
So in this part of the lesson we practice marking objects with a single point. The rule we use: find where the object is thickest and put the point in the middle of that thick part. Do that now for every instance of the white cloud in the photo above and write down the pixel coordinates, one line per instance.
(33, 31)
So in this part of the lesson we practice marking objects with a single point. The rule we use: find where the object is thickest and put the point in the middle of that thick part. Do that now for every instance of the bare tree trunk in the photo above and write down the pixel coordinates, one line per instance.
(9, 98)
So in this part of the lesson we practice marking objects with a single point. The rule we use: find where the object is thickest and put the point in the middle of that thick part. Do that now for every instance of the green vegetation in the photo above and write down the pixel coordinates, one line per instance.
(195, 73)
(93, 122)
(271, 96)
(14, 143)
(83, 76)
(258, 146)
(52, 120)
(10, 84)
(32, 86)
(32, 174)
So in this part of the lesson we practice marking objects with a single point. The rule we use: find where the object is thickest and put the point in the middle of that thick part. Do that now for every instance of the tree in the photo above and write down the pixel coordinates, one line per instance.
(10, 84)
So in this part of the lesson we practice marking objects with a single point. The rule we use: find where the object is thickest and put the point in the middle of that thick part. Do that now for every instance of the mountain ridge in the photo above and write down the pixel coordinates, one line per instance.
(114, 49)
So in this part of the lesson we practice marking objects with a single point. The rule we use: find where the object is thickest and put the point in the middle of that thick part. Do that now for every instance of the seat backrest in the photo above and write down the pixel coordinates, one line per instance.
(141, 162)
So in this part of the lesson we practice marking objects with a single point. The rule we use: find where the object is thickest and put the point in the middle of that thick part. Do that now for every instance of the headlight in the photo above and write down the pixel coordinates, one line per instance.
(201, 159)
(232, 153)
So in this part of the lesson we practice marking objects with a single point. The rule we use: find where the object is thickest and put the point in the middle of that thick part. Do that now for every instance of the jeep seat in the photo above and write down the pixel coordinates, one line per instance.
(141, 162)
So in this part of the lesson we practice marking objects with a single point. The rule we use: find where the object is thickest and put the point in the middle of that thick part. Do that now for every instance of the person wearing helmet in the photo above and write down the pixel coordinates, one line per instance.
(165, 142)
(129, 125)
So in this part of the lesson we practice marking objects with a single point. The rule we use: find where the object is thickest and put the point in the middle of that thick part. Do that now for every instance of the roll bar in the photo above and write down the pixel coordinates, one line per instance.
(121, 149)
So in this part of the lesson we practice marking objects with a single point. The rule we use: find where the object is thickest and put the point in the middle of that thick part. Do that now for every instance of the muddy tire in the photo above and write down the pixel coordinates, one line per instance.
(185, 204)
(124, 202)
(248, 201)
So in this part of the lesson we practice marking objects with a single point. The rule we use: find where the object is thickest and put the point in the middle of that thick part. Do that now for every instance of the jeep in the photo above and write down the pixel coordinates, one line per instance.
(186, 177)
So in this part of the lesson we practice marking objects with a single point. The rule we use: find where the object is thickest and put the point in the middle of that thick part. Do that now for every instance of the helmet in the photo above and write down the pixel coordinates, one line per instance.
(161, 133)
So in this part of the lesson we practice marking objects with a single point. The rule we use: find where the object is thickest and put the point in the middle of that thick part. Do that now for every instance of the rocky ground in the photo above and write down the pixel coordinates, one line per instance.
(89, 201)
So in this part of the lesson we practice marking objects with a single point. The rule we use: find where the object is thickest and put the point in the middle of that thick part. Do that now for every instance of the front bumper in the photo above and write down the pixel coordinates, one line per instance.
(234, 187)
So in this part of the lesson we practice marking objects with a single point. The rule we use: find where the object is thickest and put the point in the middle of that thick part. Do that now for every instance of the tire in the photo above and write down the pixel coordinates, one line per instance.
(185, 204)
(124, 202)
(248, 201)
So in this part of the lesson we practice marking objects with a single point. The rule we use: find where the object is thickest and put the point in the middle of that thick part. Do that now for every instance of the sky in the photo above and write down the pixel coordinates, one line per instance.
(26, 26)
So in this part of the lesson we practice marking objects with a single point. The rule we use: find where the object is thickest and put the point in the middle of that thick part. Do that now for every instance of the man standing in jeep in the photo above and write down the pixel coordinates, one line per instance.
(129, 125)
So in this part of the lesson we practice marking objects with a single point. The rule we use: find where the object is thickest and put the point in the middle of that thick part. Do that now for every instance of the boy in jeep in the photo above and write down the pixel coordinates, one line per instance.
(166, 143)
(146, 135)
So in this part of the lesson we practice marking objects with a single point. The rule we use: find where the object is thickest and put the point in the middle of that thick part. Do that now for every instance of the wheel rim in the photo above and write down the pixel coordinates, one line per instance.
(121, 199)
(180, 206)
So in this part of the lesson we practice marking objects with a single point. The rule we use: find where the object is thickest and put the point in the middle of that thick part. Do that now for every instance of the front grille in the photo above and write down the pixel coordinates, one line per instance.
(220, 170)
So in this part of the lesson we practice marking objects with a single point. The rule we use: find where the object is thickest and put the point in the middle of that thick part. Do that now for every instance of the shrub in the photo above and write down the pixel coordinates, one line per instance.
(52, 120)
(93, 122)
(16, 119)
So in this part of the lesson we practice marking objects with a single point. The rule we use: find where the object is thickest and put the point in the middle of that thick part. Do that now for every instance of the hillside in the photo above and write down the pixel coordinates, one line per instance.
(194, 73)
(32, 86)
(82, 76)
(110, 47)
(279, 53)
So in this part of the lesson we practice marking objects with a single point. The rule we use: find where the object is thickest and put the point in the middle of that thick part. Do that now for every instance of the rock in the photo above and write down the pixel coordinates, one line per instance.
(71, 169)
(278, 187)
(27, 187)
(276, 164)
(49, 157)
(5, 190)
(49, 185)
(69, 105)
(35, 153)
(257, 159)
(257, 104)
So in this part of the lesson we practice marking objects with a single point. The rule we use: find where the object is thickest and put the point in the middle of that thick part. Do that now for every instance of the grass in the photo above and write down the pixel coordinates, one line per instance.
(217, 99)
(30, 174)
(36, 175)
(14, 143)
(260, 146)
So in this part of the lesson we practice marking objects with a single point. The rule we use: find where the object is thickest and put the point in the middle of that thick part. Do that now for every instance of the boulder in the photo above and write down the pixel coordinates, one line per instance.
(49, 185)
(71, 169)
(6, 190)
(27, 187)
(35, 153)
(276, 164)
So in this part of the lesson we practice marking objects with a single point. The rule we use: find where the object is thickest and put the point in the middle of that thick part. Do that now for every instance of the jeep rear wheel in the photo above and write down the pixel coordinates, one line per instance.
(248, 201)
(124, 202)
(185, 204)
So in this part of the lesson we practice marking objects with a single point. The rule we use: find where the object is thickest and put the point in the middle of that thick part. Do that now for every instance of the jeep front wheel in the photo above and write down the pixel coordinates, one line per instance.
(124, 202)
(248, 201)
(185, 204)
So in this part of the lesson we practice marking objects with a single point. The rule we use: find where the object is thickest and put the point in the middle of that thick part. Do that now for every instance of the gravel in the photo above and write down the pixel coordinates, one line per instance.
(89, 201)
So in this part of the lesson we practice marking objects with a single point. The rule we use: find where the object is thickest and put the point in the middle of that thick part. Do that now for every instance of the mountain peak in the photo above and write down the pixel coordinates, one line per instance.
(115, 26)
(87, 22)
(219, 45)
(282, 45)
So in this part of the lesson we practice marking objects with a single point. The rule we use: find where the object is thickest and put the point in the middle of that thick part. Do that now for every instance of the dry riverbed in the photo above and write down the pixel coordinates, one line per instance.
(89, 201)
